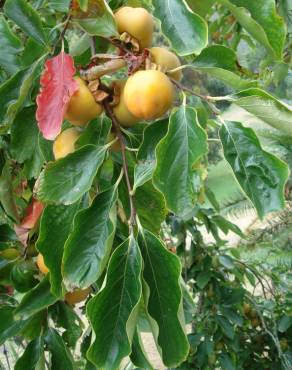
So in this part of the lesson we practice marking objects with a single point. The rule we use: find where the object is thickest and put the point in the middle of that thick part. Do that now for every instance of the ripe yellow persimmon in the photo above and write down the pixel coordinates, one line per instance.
(41, 264)
(82, 106)
(137, 22)
(122, 113)
(77, 295)
(148, 94)
(65, 142)
(167, 61)
(10, 254)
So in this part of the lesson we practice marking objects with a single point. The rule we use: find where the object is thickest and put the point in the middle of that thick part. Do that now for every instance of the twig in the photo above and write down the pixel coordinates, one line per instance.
(93, 45)
(118, 44)
(6, 356)
(62, 34)
(109, 112)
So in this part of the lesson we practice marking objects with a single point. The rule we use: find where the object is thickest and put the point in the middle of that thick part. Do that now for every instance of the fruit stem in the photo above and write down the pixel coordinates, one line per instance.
(110, 114)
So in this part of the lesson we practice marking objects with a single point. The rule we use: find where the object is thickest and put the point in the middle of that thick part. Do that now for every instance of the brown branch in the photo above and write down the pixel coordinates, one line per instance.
(118, 44)
(62, 34)
(6, 356)
(110, 114)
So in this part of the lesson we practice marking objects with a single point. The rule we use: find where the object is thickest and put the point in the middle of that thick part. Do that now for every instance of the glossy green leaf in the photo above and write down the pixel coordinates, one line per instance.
(113, 311)
(184, 144)
(225, 326)
(61, 356)
(220, 62)
(9, 60)
(35, 300)
(9, 327)
(226, 362)
(23, 275)
(66, 180)
(98, 20)
(146, 154)
(7, 198)
(203, 279)
(161, 273)
(261, 175)
(186, 31)
(15, 91)
(152, 216)
(32, 357)
(88, 247)
(261, 20)
(65, 317)
(96, 133)
(56, 223)
(267, 108)
(201, 7)
(34, 326)
(24, 15)
(138, 355)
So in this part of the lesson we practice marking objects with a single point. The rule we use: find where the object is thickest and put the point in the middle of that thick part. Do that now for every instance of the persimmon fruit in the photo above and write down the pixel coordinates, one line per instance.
(137, 22)
(41, 264)
(78, 295)
(167, 60)
(148, 94)
(122, 113)
(65, 142)
(82, 106)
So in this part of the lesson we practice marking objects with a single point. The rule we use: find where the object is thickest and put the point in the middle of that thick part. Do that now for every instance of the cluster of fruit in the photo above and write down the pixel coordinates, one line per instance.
(146, 95)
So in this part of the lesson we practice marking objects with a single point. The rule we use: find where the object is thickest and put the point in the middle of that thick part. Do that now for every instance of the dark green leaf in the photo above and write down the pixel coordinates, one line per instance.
(225, 326)
(226, 362)
(88, 247)
(226, 261)
(61, 356)
(260, 174)
(113, 311)
(164, 300)
(226, 225)
(146, 154)
(66, 180)
(184, 144)
(9, 60)
(98, 20)
(24, 15)
(201, 7)
(23, 275)
(138, 356)
(186, 31)
(284, 323)
(267, 108)
(9, 327)
(32, 357)
(152, 216)
(96, 133)
(34, 326)
(35, 300)
(7, 234)
(203, 279)
(56, 223)
(6, 193)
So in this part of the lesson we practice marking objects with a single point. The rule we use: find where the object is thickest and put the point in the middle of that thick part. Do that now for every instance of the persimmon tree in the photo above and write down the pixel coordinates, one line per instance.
(105, 140)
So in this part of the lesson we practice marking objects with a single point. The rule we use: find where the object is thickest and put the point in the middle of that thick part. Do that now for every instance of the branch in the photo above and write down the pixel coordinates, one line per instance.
(6, 356)
(62, 34)
(110, 114)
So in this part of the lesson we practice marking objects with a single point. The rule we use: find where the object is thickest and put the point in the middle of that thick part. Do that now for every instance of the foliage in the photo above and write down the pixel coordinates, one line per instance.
(122, 214)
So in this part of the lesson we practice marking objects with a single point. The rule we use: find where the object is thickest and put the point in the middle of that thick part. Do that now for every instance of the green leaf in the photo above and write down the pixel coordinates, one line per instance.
(96, 133)
(203, 279)
(32, 357)
(88, 247)
(9, 60)
(23, 275)
(24, 15)
(261, 175)
(201, 7)
(226, 362)
(161, 273)
(186, 31)
(66, 180)
(226, 225)
(146, 154)
(61, 356)
(9, 327)
(226, 261)
(15, 91)
(184, 144)
(113, 311)
(220, 62)
(98, 20)
(152, 216)
(284, 323)
(225, 326)
(138, 355)
(260, 19)
(59, 5)
(56, 223)
(7, 194)
(267, 108)
(34, 326)
(65, 317)
(35, 300)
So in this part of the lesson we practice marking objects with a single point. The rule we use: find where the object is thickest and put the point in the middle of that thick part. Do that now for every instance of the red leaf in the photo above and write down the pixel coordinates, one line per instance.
(57, 87)
(32, 214)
